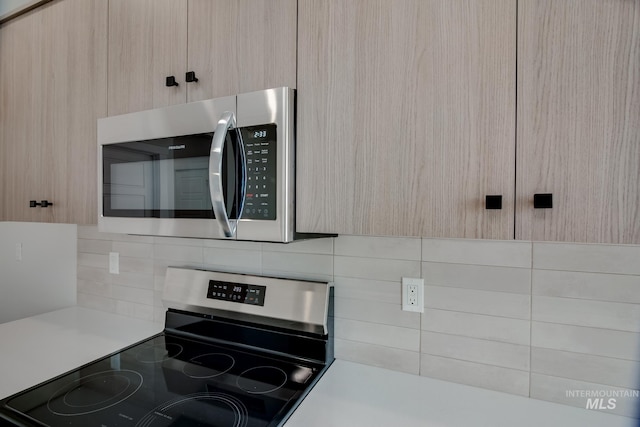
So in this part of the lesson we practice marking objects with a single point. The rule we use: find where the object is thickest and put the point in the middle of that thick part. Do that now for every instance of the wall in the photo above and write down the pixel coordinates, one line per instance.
(45, 278)
(552, 321)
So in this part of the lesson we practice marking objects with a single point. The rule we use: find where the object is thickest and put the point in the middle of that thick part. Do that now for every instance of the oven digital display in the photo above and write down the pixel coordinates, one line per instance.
(236, 292)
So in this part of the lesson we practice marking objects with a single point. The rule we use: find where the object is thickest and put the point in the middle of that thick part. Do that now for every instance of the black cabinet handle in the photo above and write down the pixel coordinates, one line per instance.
(43, 203)
(171, 81)
(543, 201)
(191, 77)
(493, 202)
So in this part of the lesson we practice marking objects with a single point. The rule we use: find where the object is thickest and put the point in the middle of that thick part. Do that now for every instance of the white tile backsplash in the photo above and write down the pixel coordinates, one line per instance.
(376, 355)
(378, 247)
(132, 249)
(233, 260)
(186, 254)
(476, 350)
(622, 259)
(130, 294)
(90, 246)
(586, 367)
(311, 246)
(368, 289)
(375, 268)
(501, 329)
(579, 339)
(479, 277)
(500, 304)
(375, 312)
(135, 265)
(596, 314)
(93, 260)
(379, 334)
(478, 252)
(492, 377)
(526, 318)
(595, 286)
(306, 265)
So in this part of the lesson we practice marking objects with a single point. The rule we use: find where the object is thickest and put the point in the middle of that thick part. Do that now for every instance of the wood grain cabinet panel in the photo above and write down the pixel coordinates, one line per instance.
(147, 43)
(578, 124)
(54, 91)
(233, 46)
(406, 117)
(238, 46)
(19, 79)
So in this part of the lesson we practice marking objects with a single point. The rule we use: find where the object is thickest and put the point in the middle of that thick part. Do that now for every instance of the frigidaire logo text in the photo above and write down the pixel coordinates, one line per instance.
(177, 147)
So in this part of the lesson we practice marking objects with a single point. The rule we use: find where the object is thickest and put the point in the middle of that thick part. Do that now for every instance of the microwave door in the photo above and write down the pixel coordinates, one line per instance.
(227, 174)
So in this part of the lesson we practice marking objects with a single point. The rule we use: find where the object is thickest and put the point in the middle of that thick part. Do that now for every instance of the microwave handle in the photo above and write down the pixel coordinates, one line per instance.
(227, 121)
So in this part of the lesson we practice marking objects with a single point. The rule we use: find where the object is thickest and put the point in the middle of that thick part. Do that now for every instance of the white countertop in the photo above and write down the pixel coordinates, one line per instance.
(353, 395)
(349, 394)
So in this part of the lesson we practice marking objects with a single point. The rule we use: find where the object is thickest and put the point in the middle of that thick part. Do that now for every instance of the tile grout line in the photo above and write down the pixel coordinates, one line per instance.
(530, 317)
(423, 308)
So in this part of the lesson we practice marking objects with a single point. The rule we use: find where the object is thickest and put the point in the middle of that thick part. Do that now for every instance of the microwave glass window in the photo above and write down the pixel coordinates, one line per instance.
(167, 178)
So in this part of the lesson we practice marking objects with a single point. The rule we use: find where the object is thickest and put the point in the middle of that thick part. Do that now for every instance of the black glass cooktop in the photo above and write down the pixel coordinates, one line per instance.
(173, 381)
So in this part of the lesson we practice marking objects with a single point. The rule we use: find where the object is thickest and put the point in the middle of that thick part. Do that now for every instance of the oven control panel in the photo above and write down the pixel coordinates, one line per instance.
(236, 292)
(260, 149)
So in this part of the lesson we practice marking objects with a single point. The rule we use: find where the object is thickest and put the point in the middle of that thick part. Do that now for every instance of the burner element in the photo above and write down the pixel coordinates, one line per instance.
(94, 392)
(158, 353)
(198, 409)
(261, 379)
(208, 365)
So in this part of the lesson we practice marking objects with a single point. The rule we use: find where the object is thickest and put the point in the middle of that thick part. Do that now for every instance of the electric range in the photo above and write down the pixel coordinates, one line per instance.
(237, 350)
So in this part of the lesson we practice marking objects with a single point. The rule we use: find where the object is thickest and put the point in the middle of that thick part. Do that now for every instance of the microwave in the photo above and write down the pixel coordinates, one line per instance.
(220, 168)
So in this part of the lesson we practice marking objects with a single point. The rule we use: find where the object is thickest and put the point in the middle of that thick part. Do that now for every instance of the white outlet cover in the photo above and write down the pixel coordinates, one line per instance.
(419, 283)
(114, 263)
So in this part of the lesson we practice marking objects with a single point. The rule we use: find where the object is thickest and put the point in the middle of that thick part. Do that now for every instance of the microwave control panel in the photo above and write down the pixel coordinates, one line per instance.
(260, 144)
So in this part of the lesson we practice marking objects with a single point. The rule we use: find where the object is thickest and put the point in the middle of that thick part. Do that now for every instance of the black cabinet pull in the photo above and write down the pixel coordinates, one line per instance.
(191, 77)
(171, 81)
(43, 203)
(493, 202)
(543, 201)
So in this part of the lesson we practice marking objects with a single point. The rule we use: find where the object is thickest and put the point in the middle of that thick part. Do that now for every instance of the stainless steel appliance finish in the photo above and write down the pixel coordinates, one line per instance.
(272, 107)
(296, 304)
(236, 350)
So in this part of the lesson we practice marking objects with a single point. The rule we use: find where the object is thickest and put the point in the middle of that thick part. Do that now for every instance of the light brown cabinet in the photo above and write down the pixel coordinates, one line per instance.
(578, 131)
(232, 46)
(407, 113)
(406, 117)
(147, 43)
(52, 89)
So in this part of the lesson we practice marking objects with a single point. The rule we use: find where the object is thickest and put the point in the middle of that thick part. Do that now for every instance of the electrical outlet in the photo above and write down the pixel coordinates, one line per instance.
(413, 294)
(114, 263)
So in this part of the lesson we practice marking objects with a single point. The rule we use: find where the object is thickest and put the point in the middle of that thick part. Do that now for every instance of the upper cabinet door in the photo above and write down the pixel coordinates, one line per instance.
(578, 134)
(238, 46)
(406, 117)
(52, 91)
(21, 166)
(147, 43)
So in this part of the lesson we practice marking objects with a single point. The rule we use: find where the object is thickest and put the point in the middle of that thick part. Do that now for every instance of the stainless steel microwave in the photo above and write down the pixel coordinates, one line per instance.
(220, 168)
